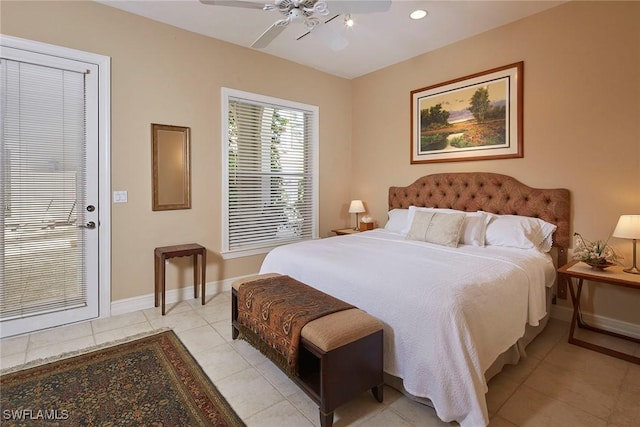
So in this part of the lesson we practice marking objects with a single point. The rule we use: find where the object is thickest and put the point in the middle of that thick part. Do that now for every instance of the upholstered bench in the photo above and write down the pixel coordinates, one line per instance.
(340, 355)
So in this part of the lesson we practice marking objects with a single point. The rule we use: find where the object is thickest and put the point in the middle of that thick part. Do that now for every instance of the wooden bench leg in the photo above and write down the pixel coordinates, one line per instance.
(234, 314)
(378, 392)
(326, 420)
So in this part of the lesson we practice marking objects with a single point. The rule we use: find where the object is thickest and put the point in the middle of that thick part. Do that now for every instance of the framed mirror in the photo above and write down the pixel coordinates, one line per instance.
(171, 167)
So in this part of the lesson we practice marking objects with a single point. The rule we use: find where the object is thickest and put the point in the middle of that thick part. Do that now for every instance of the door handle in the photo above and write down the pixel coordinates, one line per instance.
(90, 225)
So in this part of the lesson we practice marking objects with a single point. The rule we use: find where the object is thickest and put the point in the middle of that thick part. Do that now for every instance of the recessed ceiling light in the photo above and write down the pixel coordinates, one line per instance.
(418, 14)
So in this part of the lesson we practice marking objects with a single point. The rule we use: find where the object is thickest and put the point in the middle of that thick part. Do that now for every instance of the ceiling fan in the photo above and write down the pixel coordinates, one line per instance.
(307, 12)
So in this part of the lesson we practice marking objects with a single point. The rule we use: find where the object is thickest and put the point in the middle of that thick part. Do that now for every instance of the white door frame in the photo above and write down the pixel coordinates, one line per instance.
(104, 149)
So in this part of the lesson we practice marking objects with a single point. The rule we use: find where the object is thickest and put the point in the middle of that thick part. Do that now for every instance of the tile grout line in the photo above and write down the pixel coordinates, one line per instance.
(522, 384)
(619, 393)
(558, 343)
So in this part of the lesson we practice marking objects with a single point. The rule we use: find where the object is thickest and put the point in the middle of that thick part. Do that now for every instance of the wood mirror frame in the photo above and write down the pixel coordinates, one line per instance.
(171, 167)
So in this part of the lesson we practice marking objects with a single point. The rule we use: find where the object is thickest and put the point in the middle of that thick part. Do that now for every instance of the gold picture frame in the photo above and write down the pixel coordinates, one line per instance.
(171, 167)
(476, 117)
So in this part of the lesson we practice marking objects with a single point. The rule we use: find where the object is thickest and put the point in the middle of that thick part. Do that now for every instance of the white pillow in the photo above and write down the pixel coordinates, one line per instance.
(473, 228)
(398, 221)
(436, 227)
(519, 232)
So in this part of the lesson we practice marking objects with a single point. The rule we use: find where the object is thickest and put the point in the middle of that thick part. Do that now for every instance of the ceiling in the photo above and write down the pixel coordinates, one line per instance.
(376, 40)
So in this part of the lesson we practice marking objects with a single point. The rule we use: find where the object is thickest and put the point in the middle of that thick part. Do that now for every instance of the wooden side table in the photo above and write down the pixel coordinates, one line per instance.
(578, 271)
(164, 253)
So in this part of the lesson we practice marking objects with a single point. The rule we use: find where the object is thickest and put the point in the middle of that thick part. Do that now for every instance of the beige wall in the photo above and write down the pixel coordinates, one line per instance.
(581, 119)
(161, 74)
(581, 122)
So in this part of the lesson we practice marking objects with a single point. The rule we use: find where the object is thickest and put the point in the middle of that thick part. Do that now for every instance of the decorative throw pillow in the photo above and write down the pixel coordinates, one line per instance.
(435, 227)
(473, 228)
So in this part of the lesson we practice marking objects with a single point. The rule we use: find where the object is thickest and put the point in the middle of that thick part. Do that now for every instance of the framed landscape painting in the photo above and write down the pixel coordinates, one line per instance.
(476, 117)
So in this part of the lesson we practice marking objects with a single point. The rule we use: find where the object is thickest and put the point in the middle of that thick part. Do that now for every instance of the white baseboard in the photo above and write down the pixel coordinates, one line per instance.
(144, 302)
(607, 323)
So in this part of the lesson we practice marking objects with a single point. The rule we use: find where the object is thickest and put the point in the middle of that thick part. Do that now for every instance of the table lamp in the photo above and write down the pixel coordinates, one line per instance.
(629, 228)
(356, 207)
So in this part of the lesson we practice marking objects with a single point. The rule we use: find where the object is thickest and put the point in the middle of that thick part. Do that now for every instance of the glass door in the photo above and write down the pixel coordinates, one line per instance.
(49, 214)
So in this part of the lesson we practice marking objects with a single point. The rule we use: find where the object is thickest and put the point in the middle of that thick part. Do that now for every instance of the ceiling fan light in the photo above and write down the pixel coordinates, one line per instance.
(348, 21)
(418, 14)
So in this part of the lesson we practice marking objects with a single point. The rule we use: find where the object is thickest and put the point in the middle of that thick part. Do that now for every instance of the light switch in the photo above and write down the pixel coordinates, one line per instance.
(120, 197)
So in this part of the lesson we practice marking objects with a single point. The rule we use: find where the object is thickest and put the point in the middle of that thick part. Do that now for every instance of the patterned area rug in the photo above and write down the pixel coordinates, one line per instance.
(152, 381)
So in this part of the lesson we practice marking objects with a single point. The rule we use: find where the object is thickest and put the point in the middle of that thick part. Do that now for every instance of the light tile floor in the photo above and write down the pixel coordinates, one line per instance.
(558, 384)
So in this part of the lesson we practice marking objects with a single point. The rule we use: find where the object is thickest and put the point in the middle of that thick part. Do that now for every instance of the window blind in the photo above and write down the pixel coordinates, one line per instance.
(270, 162)
(42, 192)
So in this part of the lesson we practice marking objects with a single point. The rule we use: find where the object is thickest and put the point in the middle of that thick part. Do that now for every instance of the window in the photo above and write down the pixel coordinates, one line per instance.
(270, 157)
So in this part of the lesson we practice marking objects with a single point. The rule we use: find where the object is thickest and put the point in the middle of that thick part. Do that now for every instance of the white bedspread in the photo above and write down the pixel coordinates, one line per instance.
(448, 312)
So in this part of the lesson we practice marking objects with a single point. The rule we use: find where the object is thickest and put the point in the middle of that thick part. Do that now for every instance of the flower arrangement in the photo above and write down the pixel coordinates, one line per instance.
(597, 254)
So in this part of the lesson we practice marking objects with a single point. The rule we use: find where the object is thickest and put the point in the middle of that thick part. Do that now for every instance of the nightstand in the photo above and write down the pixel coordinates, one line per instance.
(343, 231)
(578, 272)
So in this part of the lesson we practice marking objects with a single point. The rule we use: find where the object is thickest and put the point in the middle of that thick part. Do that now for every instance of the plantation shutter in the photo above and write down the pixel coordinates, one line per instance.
(42, 150)
(270, 175)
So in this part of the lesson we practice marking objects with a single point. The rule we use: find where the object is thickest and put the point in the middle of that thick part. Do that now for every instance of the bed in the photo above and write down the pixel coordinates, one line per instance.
(455, 309)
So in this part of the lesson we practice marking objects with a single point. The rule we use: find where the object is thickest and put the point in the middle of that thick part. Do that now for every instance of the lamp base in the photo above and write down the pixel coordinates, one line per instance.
(632, 270)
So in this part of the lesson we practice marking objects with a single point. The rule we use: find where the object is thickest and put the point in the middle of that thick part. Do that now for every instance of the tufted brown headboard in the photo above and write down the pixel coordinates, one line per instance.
(489, 192)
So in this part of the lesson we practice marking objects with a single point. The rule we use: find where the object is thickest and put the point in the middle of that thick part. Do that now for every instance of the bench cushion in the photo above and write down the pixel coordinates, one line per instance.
(340, 328)
(331, 331)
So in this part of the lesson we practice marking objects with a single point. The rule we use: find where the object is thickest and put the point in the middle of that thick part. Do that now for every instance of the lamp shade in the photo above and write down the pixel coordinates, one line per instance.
(356, 206)
(628, 227)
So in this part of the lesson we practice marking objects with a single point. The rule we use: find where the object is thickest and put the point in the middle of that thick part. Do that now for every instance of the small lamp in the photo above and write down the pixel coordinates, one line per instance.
(629, 228)
(356, 207)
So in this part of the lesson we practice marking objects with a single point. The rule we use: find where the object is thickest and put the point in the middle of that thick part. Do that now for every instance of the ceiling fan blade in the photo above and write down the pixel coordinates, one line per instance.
(332, 39)
(359, 6)
(267, 37)
(234, 3)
